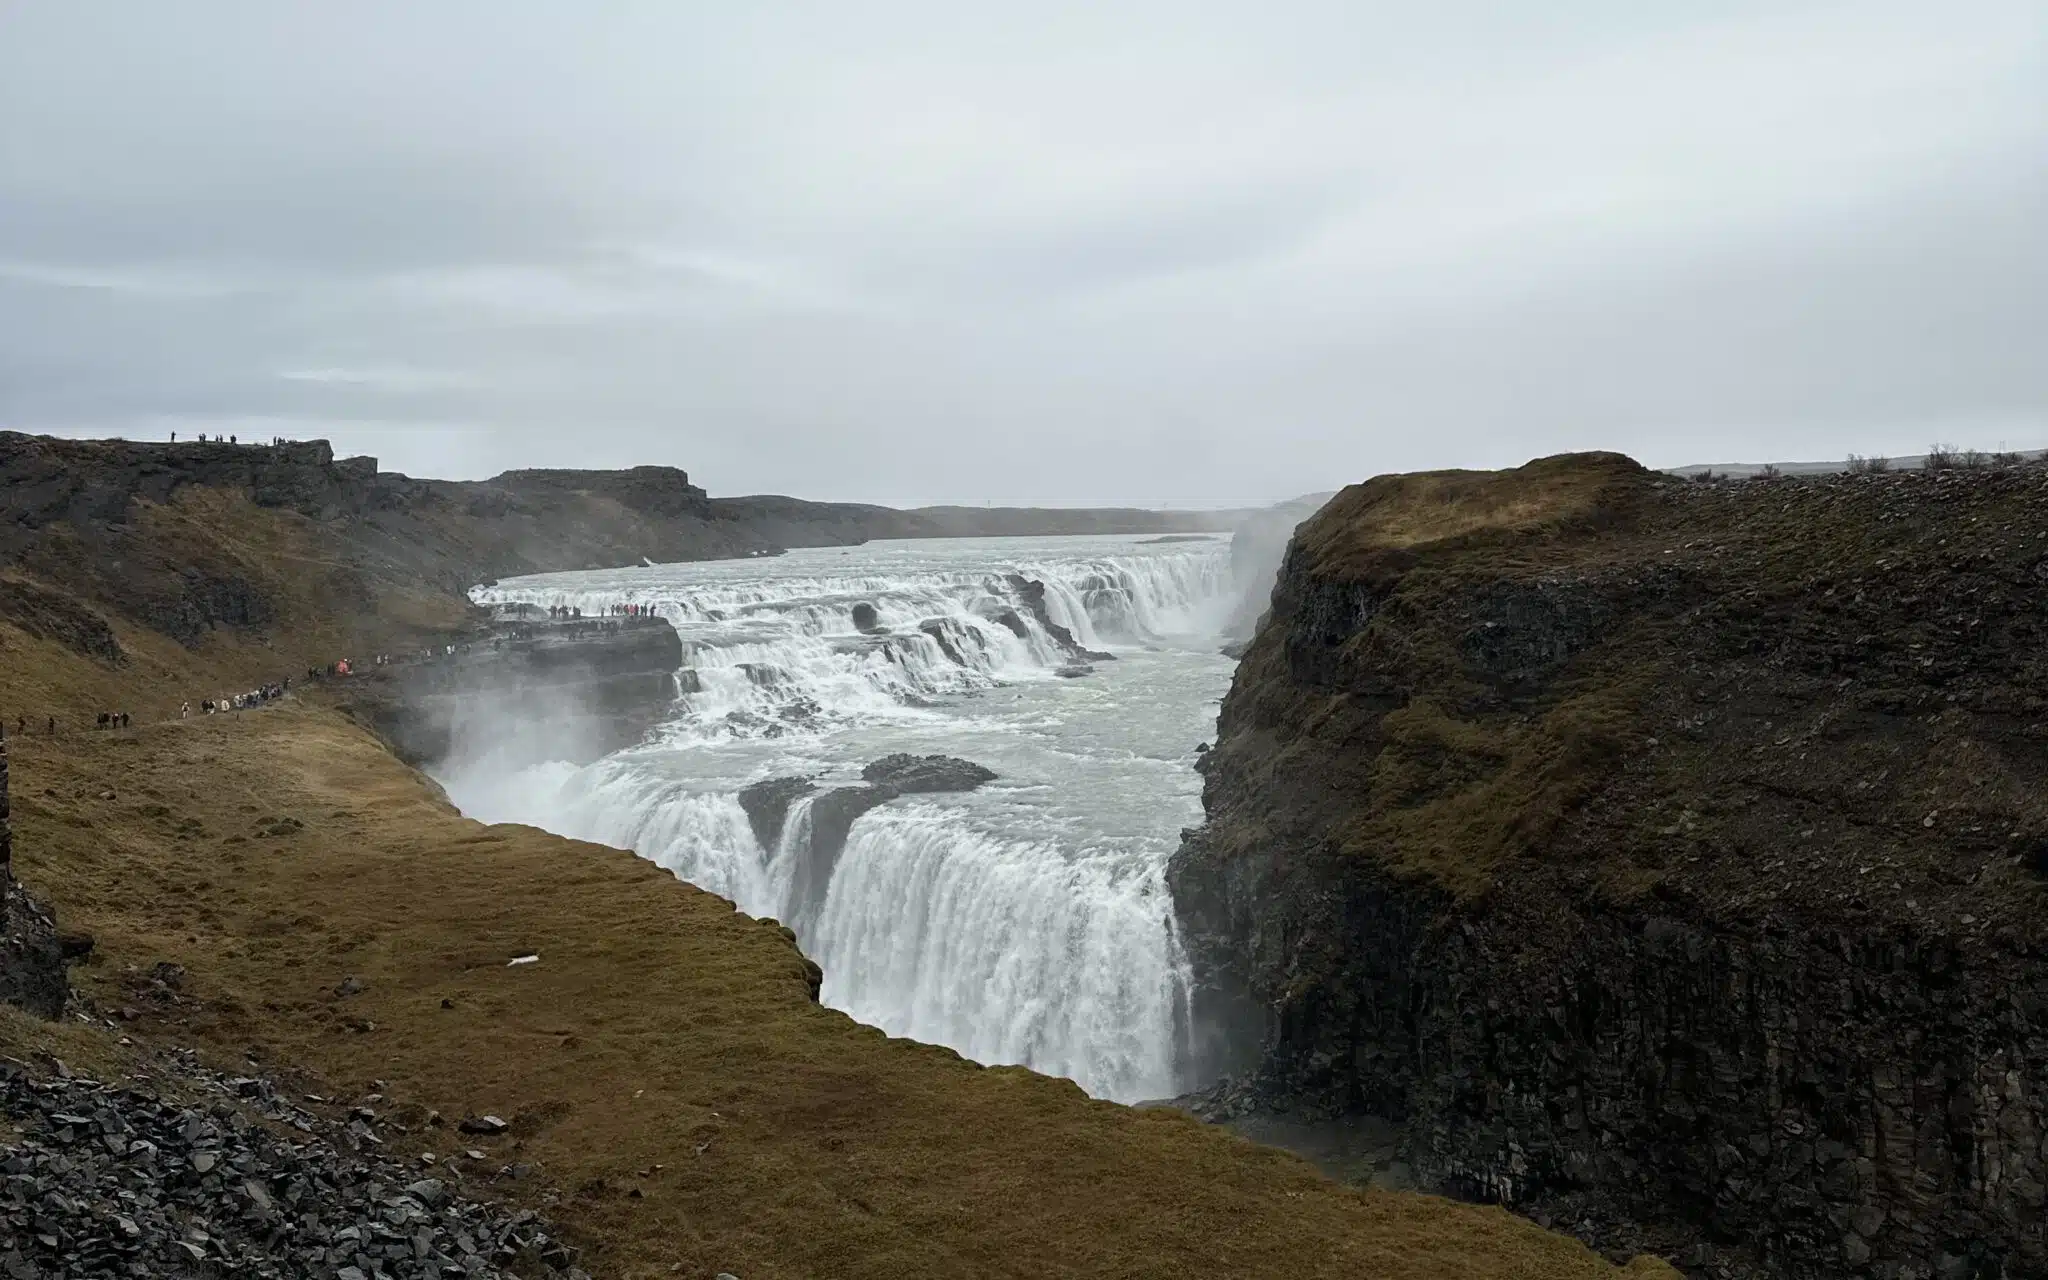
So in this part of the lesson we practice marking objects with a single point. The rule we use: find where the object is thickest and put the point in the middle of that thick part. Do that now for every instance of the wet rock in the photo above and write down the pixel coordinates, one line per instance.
(1013, 622)
(1031, 594)
(936, 628)
(1074, 671)
(910, 774)
(867, 621)
(766, 804)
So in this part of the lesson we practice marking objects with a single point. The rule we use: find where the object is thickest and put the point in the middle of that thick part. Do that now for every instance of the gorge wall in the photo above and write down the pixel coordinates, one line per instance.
(1666, 858)
(523, 691)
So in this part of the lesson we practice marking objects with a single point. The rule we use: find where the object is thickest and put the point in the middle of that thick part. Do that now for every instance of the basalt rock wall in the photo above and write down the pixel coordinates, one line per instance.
(1666, 858)
(523, 692)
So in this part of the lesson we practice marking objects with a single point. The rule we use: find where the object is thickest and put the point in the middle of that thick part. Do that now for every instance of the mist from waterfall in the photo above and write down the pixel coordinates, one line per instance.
(1027, 922)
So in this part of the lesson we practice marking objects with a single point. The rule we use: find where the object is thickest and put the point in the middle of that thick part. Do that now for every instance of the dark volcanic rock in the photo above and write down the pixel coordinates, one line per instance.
(867, 621)
(32, 958)
(1610, 833)
(767, 806)
(178, 1178)
(1032, 595)
(833, 813)
(526, 690)
(908, 773)
(51, 615)
(939, 630)
(1014, 622)
(32, 953)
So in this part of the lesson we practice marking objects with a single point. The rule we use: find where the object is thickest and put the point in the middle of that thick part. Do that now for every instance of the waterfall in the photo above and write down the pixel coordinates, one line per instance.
(998, 924)
(1006, 950)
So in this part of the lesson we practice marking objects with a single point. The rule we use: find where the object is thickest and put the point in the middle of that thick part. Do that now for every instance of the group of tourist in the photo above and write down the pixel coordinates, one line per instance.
(240, 701)
(275, 441)
(259, 696)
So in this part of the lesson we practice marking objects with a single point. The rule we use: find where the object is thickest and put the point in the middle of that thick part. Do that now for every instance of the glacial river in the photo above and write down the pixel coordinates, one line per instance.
(1026, 922)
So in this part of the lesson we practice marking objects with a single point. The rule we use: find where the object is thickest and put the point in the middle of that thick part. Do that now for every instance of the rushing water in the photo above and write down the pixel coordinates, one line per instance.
(1026, 922)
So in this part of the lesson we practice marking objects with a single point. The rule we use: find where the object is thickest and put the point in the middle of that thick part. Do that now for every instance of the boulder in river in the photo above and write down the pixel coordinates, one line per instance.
(867, 621)
(834, 812)
(767, 806)
(908, 773)
(1031, 593)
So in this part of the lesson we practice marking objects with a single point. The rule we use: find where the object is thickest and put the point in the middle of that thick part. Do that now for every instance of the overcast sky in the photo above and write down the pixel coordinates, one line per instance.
(1170, 253)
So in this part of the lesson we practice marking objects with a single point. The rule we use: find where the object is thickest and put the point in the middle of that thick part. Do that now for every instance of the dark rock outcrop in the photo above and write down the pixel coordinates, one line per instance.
(1656, 854)
(908, 773)
(1031, 594)
(52, 615)
(524, 691)
(767, 806)
(32, 956)
(833, 812)
(867, 621)
(234, 1179)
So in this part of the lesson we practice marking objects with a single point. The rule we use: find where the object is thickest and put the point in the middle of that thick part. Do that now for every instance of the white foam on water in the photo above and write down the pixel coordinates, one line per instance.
(1025, 924)
(1006, 950)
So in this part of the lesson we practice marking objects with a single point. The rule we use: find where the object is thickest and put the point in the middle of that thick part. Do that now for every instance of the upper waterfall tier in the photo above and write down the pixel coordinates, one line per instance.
(772, 647)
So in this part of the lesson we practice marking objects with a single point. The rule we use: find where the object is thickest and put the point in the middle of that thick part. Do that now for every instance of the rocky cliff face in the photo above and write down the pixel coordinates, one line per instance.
(1666, 858)
(32, 956)
(523, 691)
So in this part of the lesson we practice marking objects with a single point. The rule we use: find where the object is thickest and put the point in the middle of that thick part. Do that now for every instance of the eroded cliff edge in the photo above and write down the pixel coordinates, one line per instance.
(1666, 858)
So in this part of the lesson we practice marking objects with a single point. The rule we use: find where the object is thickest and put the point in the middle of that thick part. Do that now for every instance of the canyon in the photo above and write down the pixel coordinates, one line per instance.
(277, 894)
(1661, 859)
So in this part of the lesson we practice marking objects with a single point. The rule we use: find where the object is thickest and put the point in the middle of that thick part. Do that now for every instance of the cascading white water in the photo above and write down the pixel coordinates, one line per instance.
(1026, 922)
(1007, 950)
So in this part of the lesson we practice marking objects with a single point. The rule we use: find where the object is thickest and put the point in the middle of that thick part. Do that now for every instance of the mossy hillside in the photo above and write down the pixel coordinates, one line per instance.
(1449, 692)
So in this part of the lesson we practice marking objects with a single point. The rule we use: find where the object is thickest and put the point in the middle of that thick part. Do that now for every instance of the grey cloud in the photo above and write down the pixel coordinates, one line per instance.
(1159, 253)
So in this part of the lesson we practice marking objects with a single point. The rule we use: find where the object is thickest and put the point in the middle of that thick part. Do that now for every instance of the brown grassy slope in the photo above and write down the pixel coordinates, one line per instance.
(1583, 662)
(1390, 521)
(660, 1028)
(310, 606)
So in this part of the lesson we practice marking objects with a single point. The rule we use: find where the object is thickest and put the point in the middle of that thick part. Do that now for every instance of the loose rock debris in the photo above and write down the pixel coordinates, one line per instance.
(124, 1180)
